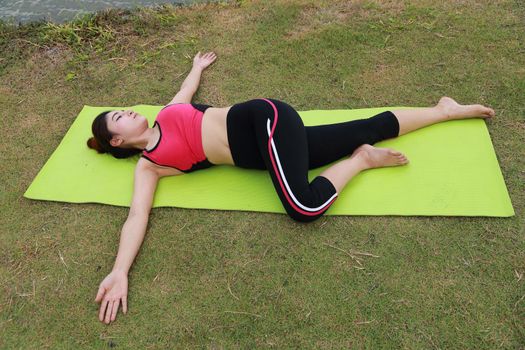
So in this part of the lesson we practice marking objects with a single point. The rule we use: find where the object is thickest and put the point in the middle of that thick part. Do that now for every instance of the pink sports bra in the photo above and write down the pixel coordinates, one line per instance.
(180, 141)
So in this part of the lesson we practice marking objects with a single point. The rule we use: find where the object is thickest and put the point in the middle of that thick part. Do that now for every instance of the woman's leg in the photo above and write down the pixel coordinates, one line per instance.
(281, 140)
(328, 143)
(446, 109)
(364, 157)
(331, 142)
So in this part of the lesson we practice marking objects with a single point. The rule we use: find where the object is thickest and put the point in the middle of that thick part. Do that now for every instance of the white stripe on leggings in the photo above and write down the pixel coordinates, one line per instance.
(286, 182)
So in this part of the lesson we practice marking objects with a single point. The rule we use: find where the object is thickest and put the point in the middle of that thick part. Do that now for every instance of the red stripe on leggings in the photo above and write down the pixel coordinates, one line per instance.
(283, 188)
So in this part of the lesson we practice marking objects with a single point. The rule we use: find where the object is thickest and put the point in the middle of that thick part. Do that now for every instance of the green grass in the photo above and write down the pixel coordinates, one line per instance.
(222, 279)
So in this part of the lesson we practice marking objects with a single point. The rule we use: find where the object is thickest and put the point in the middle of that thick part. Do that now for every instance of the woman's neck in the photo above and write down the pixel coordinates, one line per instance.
(147, 140)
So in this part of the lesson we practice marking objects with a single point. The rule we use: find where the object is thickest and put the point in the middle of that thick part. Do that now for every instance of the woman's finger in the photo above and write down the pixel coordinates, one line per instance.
(115, 310)
(124, 304)
(109, 310)
(100, 293)
(102, 310)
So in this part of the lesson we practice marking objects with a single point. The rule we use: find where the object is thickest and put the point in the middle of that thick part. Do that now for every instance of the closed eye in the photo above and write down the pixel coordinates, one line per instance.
(119, 116)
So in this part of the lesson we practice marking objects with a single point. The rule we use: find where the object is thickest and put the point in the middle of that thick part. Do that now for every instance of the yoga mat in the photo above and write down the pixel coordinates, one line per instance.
(453, 171)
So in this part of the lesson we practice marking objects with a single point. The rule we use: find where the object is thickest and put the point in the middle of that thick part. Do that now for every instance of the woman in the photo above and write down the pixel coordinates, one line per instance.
(262, 134)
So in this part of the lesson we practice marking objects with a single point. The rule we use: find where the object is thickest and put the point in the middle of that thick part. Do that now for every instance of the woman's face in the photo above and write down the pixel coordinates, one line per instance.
(125, 125)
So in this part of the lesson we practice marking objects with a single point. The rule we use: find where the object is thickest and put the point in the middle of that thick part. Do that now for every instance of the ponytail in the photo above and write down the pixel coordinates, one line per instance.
(93, 144)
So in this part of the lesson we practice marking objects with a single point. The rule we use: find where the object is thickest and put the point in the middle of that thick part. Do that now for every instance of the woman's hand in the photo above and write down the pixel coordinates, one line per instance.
(204, 60)
(112, 290)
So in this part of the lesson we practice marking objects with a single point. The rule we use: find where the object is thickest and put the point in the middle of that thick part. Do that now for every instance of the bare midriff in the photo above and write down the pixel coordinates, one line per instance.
(215, 136)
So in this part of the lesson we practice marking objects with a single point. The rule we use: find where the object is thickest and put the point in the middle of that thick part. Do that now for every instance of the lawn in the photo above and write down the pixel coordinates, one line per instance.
(231, 279)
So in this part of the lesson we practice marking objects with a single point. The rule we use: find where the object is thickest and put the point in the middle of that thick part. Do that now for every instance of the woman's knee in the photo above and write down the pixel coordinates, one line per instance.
(309, 203)
(386, 125)
(309, 210)
(299, 217)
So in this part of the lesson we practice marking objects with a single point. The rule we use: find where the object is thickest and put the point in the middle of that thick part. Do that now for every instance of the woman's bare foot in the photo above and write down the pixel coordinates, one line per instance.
(454, 110)
(375, 157)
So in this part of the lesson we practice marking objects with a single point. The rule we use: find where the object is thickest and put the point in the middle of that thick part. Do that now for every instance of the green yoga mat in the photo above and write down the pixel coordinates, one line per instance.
(453, 171)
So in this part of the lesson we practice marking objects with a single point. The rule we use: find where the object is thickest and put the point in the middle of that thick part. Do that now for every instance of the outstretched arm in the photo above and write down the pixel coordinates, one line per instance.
(113, 290)
(191, 83)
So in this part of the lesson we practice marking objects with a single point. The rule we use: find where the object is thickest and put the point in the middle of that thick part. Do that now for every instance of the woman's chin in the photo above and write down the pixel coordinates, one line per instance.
(143, 121)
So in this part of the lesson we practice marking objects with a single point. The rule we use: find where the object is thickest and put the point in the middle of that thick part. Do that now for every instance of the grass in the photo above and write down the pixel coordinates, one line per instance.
(222, 279)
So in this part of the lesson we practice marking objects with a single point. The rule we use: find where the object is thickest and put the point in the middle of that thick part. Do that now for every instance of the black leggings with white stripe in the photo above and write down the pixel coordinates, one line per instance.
(270, 134)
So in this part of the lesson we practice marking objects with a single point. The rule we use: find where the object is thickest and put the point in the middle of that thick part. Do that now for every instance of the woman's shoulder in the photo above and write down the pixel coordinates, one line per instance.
(144, 164)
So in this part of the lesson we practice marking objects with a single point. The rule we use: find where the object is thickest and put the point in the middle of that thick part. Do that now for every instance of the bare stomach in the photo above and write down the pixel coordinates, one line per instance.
(215, 136)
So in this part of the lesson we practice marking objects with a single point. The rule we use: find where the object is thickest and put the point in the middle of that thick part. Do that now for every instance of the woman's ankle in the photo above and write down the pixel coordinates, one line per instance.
(360, 160)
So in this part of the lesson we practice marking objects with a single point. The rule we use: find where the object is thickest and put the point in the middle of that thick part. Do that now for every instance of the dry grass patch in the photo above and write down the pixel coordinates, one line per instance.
(230, 21)
(315, 16)
(380, 82)
(56, 54)
(45, 61)
(30, 121)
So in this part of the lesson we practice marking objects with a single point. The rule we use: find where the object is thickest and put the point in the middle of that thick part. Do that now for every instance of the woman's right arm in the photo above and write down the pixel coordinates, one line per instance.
(113, 289)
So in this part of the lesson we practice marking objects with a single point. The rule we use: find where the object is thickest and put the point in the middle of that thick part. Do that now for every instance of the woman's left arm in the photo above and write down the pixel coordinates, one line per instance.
(191, 83)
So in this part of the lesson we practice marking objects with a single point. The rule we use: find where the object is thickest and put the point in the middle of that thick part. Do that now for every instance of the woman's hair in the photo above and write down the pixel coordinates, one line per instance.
(100, 142)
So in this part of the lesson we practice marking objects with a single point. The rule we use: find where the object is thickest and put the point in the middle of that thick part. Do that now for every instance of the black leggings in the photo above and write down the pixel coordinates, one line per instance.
(270, 134)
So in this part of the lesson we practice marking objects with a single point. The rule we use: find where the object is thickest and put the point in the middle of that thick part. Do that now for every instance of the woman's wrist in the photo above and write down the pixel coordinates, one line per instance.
(120, 269)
